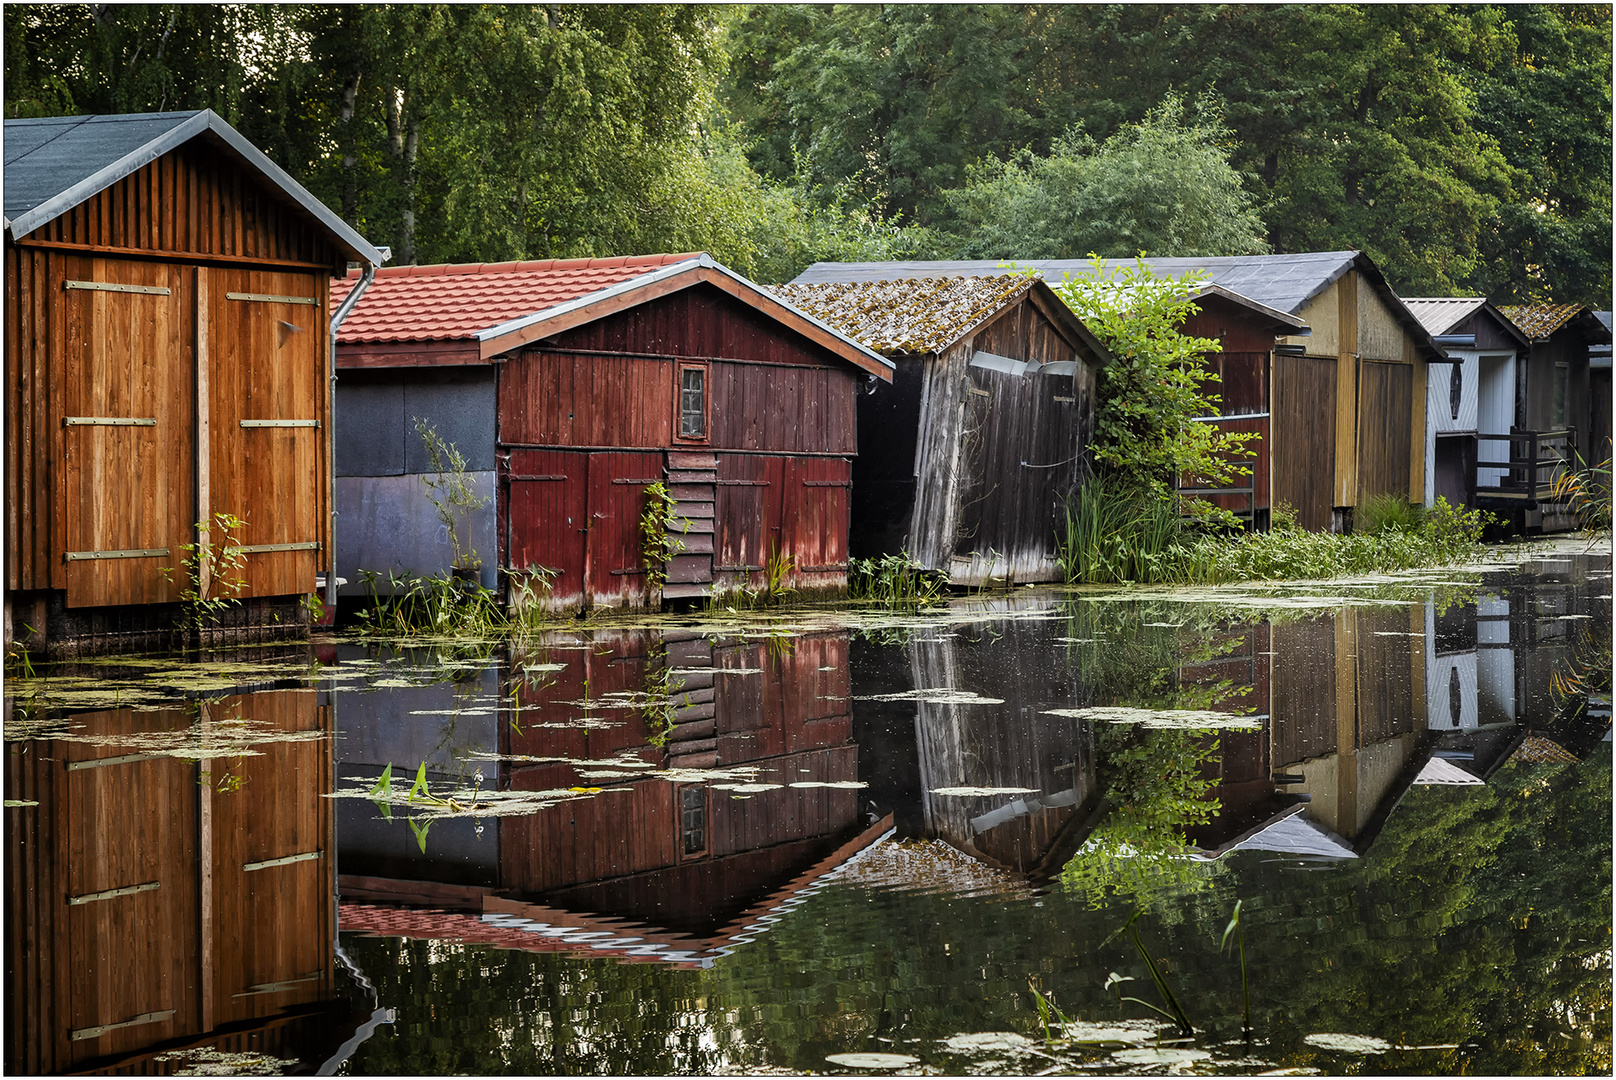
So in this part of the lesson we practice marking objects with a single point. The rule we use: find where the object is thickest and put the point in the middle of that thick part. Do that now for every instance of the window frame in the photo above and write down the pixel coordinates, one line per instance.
(679, 403)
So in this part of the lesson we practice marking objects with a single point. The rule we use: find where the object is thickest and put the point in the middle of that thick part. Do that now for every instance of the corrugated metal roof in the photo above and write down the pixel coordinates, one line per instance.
(905, 316)
(458, 301)
(1283, 282)
(1538, 321)
(53, 164)
(1438, 315)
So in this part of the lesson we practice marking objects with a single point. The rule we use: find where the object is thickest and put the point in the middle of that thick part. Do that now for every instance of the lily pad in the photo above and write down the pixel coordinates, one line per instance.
(844, 784)
(872, 1060)
(1349, 1044)
(1135, 1033)
(979, 792)
(982, 1042)
(1194, 719)
(1159, 1055)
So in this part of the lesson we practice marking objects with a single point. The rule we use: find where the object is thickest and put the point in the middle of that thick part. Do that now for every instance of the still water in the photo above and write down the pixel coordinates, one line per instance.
(1010, 835)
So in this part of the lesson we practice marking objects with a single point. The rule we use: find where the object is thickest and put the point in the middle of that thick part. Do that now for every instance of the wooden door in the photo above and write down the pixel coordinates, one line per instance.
(613, 573)
(1385, 430)
(266, 400)
(125, 423)
(1303, 453)
(546, 517)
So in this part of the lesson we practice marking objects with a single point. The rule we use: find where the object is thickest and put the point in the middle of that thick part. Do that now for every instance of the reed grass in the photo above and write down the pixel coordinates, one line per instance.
(894, 581)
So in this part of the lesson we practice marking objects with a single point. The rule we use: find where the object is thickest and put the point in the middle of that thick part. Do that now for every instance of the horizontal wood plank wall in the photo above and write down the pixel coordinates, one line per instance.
(190, 202)
(1303, 455)
(1385, 429)
(699, 322)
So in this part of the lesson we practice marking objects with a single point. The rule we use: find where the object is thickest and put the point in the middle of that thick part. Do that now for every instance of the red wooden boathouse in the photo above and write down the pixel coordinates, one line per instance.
(582, 382)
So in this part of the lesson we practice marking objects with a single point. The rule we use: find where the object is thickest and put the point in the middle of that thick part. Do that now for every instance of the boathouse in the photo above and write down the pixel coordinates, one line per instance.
(966, 460)
(1346, 401)
(1469, 397)
(166, 352)
(570, 387)
(1555, 411)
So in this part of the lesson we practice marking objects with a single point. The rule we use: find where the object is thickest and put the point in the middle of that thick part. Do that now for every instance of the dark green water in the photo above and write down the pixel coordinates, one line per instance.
(754, 844)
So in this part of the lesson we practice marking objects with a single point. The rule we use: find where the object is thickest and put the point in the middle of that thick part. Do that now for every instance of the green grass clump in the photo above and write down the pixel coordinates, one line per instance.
(893, 580)
(1114, 533)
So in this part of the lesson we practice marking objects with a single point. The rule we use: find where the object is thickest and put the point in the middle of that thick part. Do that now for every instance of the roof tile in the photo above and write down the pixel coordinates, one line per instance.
(456, 300)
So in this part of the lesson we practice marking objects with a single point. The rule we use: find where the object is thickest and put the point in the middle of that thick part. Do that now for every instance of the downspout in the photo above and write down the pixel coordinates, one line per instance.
(366, 275)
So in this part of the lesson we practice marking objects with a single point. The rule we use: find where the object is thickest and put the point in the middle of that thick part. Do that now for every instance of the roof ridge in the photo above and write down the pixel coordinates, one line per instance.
(529, 266)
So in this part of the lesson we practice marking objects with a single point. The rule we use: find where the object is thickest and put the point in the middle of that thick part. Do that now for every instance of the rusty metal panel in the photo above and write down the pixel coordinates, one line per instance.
(1303, 426)
(1385, 429)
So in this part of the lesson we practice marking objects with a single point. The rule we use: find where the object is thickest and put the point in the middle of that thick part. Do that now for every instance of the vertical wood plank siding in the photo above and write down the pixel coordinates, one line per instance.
(1304, 429)
(1385, 429)
(1304, 717)
(77, 352)
(997, 453)
(102, 828)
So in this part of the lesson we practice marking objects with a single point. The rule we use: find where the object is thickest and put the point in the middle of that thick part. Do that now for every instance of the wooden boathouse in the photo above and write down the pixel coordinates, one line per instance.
(166, 356)
(1346, 399)
(965, 461)
(1472, 396)
(571, 386)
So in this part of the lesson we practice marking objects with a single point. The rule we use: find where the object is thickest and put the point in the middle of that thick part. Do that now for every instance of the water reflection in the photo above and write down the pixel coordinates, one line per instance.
(688, 848)
(170, 888)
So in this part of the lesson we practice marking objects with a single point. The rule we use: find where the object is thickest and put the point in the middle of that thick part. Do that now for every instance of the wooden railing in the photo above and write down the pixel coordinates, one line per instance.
(1526, 475)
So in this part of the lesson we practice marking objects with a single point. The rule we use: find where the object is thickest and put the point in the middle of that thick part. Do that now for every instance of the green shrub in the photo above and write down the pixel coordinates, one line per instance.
(1378, 513)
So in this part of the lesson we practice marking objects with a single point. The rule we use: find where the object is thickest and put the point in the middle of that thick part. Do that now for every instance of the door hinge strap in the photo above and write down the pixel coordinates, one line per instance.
(137, 553)
(269, 299)
(135, 1021)
(253, 549)
(280, 423)
(109, 421)
(128, 890)
(283, 861)
(640, 483)
(125, 759)
(109, 286)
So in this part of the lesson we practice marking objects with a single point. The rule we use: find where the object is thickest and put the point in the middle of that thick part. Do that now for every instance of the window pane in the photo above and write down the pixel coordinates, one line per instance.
(693, 805)
(692, 404)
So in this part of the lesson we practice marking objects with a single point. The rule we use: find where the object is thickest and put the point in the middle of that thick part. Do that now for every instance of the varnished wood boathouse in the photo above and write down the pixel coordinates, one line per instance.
(571, 386)
(966, 460)
(1347, 399)
(166, 355)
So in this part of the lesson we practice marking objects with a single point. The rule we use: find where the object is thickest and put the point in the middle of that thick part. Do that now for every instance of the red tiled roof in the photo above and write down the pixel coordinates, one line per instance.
(450, 301)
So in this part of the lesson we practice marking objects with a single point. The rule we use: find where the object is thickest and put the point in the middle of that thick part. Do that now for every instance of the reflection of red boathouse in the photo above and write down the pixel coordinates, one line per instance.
(688, 853)
(155, 903)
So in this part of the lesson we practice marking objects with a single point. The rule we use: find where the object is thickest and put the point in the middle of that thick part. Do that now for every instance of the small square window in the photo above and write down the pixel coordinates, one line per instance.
(693, 819)
(692, 403)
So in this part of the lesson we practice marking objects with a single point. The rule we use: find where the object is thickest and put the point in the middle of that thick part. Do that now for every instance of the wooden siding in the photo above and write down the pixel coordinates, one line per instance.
(193, 225)
(1302, 465)
(193, 202)
(700, 322)
(998, 453)
(777, 710)
(1385, 430)
(209, 933)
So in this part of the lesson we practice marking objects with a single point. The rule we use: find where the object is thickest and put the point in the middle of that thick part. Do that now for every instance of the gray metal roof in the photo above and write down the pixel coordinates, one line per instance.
(55, 163)
(1440, 314)
(1282, 282)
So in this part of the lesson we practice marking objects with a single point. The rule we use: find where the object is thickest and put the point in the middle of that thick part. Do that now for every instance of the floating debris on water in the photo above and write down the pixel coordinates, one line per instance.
(1194, 719)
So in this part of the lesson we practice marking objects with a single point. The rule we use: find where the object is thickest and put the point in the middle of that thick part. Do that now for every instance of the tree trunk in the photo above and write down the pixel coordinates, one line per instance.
(412, 145)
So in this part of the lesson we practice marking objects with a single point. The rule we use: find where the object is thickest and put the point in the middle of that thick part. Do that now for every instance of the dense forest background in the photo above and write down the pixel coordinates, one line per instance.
(1467, 149)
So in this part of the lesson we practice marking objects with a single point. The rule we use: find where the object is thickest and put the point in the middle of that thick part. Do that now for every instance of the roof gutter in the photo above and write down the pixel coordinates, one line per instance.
(366, 275)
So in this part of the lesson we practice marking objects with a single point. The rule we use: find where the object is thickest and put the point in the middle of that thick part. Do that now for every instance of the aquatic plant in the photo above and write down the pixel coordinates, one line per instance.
(1239, 928)
(450, 489)
(446, 606)
(893, 580)
(658, 545)
(1587, 490)
(214, 571)
(1174, 1011)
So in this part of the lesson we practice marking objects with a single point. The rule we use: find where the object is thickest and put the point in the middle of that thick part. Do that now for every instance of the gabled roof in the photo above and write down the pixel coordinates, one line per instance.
(1285, 283)
(906, 317)
(55, 163)
(501, 306)
(1439, 315)
(1541, 321)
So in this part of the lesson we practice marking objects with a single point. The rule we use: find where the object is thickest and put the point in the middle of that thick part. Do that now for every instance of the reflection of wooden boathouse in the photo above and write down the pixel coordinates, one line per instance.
(572, 385)
(1347, 399)
(155, 903)
(166, 353)
(688, 855)
(966, 460)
